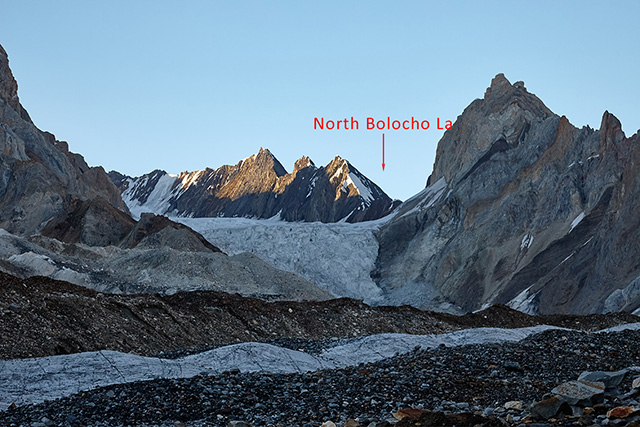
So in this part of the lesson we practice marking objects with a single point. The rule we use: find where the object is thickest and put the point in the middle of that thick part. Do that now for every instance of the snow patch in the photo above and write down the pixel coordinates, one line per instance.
(346, 183)
(338, 172)
(524, 302)
(576, 221)
(191, 179)
(312, 185)
(567, 258)
(426, 198)
(527, 241)
(157, 201)
(363, 190)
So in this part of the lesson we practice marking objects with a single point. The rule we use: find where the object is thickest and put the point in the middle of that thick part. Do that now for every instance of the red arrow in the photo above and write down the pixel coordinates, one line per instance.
(383, 151)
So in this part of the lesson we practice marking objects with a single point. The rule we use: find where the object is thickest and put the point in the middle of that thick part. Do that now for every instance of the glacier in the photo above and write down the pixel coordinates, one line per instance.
(337, 257)
(28, 381)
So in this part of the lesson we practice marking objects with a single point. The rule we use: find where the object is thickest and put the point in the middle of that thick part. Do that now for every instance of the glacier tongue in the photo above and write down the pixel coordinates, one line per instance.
(337, 257)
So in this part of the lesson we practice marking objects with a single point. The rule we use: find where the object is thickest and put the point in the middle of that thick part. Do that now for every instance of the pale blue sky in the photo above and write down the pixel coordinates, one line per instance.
(136, 86)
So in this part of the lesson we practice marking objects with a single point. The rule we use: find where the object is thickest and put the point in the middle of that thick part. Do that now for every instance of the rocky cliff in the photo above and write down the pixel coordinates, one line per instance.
(521, 208)
(260, 187)
(40, 179)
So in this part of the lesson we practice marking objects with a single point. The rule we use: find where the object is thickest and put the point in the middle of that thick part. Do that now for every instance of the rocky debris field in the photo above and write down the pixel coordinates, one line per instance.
(43, 317)
(519, 384)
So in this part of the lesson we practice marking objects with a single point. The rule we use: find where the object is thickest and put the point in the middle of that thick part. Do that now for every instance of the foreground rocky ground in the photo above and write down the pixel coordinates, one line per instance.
(466, 385)
(43, 317)
(490, 385)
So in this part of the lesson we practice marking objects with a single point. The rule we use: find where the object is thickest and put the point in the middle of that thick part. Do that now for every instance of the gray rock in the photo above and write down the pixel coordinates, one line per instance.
(488, 411)
(40, 176)
(610, 379)
(547, 408)
(581, 393)
(514, 405)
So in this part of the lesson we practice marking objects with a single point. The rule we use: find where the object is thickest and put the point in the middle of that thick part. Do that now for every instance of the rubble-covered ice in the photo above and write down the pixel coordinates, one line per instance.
(24, 381)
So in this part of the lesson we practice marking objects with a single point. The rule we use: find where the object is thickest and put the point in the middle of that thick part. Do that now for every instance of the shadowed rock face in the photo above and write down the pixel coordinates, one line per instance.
(260, 187)
(155, 231)
(92, 222)
(521, 208)
(38, 174)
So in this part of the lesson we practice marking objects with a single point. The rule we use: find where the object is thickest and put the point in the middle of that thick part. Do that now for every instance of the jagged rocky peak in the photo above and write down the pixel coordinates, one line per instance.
(259, 186)
(41, 176)
(611, 130)
(500, 86)
(523, 209)
(302, 163)
(500, 120)
(337, 168)
(9, 86)
(263, 160)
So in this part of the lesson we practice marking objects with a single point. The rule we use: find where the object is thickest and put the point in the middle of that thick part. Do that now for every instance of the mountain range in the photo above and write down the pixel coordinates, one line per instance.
(63, 219)
(260, 187)
(521, 208)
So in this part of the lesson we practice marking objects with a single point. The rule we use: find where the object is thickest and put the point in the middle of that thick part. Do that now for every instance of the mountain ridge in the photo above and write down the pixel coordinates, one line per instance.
(260, 187)
(521, 208)
(40, 177)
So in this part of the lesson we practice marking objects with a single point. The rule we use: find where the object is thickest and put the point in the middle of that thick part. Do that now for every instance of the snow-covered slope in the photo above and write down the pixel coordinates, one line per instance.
(157, 200)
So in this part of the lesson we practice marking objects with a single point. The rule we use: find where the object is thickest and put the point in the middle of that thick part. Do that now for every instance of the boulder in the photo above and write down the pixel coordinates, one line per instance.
(549, 408)
(581, 393)
(610, 379)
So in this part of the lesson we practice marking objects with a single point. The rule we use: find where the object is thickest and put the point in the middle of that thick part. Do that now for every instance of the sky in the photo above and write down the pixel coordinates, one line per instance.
(144, 85)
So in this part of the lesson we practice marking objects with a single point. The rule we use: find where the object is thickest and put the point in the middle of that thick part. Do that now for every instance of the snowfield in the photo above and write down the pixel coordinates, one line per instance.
(337, 257)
